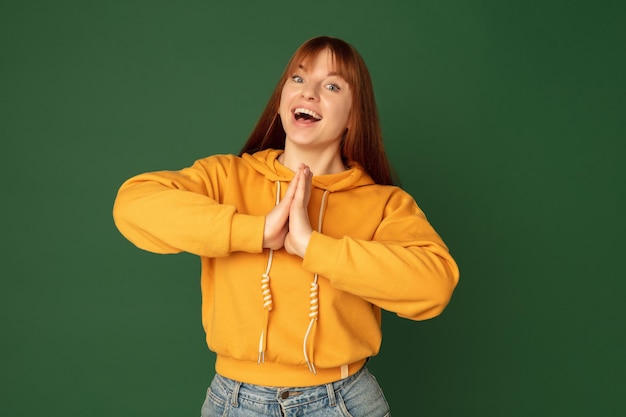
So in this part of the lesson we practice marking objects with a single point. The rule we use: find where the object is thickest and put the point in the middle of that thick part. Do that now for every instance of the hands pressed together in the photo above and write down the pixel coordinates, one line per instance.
(288, 225)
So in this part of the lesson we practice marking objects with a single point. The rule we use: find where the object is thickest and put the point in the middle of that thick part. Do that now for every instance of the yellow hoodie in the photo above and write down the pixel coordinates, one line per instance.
(273, 318)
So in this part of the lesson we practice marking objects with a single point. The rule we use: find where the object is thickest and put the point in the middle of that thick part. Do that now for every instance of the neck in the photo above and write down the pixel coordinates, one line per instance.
(327, 161)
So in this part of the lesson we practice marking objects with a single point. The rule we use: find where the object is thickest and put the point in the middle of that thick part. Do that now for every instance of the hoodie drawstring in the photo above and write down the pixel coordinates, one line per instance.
(309, 337)
(267, 294)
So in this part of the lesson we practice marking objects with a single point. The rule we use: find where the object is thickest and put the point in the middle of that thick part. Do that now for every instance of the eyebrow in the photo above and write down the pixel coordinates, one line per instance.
(329, 74)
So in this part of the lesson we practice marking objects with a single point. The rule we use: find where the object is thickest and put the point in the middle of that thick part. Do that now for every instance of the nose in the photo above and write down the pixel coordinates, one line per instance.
(309, 91)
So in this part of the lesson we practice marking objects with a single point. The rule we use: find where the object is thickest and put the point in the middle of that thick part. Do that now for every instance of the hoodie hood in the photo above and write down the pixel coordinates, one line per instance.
(266, 162)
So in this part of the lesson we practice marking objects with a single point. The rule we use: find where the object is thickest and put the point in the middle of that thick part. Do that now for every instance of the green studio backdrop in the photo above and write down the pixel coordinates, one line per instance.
(505, 121)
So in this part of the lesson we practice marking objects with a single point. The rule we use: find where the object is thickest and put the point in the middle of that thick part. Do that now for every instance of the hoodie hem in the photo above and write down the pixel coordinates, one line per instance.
(280, 375)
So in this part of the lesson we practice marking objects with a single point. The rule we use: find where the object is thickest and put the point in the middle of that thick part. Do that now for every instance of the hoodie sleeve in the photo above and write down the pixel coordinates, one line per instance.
(179, 211)
(406, 268)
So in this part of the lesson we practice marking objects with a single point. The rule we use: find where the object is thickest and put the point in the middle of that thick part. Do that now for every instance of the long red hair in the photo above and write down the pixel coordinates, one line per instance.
(363, 142)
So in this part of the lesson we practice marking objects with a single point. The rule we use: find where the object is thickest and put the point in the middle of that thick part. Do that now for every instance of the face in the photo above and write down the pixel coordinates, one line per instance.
(315, 104)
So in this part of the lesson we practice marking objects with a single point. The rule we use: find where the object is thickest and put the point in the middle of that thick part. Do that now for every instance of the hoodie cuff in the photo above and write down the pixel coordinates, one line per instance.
(320, 253)
(246, 233)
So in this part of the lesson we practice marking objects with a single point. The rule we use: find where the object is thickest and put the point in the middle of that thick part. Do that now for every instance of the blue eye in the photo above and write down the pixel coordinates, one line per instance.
(297, 79)
(333, 87)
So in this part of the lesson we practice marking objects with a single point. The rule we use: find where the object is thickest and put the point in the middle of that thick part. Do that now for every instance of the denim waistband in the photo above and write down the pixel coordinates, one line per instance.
(236, 390)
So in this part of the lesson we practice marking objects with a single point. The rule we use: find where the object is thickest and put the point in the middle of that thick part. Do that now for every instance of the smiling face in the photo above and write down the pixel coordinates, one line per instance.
(315, 104)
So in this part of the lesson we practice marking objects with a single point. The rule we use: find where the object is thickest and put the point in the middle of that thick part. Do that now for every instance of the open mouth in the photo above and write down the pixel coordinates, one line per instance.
(306, 115)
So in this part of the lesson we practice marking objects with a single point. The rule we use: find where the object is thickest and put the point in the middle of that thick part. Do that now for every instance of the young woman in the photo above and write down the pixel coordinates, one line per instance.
(303, 240)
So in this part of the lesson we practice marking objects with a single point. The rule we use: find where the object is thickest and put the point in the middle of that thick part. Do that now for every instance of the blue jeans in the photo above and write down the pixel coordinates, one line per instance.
(358, 395)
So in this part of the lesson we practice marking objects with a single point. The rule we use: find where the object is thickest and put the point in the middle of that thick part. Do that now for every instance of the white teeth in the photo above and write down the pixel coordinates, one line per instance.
(302, 110)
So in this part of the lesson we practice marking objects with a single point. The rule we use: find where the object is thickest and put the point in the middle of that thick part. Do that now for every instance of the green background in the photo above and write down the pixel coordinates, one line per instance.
(504, 119)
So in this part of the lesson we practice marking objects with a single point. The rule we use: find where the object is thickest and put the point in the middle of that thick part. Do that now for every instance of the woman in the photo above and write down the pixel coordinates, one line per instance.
(303, 240)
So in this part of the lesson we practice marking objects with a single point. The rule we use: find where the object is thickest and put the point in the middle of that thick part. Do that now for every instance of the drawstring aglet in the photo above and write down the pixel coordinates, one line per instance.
(311, 367)
(261, 358)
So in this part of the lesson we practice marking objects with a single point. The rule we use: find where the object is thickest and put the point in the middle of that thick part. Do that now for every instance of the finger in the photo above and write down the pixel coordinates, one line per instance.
(291, 189)
(305, 185)
(302, 187)
(280, 212)
(299, 186)
(308, 185)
